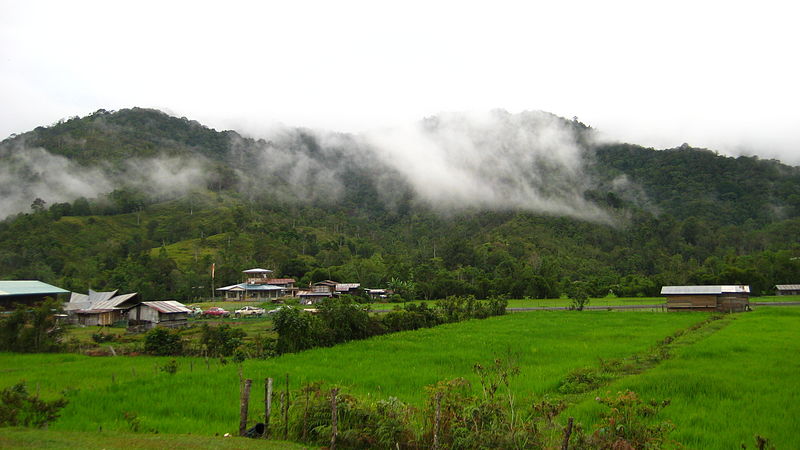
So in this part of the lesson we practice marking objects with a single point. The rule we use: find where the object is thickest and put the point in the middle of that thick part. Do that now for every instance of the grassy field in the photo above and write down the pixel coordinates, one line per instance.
(727, 382)
(203, 398)
(724, 390)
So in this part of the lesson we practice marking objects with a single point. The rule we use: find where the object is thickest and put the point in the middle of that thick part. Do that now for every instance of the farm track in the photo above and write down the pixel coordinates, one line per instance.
(613, 370)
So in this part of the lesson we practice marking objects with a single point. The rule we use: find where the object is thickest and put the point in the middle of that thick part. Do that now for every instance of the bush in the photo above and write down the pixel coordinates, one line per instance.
(163, 342)
(32, 329)
(18, 408)
(221, 340)
(102, 337)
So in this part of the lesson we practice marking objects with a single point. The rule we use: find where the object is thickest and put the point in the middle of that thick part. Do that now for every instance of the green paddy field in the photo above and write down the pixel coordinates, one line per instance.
(728, 380)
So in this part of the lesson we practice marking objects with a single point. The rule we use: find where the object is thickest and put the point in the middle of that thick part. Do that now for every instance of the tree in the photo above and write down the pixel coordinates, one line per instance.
(38, 205)
(579, 295)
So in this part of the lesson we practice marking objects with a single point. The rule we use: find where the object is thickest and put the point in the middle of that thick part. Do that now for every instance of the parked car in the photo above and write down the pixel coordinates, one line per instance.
(195, 311)
(250, 311)
(273, 311)
(216, 311)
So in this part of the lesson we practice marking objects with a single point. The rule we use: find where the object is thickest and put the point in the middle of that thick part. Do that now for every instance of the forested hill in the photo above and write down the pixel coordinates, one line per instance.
(508, 204)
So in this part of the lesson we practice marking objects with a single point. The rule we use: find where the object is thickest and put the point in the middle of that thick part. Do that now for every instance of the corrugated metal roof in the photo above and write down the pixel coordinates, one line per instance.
(96, 297)
(168, 306)
(101, 302)
(28, 287)
(313, 293)
(75, 306)
(120, 299)
(257, 271)
(788, 287)
(347, 286)
(78, 298)
(704, 290)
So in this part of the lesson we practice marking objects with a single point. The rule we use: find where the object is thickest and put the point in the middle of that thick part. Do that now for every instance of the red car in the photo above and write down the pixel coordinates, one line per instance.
(216, 311)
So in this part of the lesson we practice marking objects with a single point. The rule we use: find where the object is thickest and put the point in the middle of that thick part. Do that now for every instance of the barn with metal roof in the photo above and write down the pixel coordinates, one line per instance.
(26, 291)
(164, 313)
(723, 298)
(787, 289)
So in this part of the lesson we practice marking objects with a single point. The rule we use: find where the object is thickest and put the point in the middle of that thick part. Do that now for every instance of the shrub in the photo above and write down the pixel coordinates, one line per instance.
(221, 340)
(163, 342)
(102, 337)
(32, 329)
(629, 423)
(18, 408)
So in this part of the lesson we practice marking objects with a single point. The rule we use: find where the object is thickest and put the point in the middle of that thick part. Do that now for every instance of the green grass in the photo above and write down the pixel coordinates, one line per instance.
(20, 438)
(737, 383)
(202, 399)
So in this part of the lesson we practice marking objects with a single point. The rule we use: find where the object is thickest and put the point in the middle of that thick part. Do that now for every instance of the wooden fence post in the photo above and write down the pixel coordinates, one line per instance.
(334, 418)
(567, 433)
(286, 411)
(436, 419)
(244, 403)
(267, 406)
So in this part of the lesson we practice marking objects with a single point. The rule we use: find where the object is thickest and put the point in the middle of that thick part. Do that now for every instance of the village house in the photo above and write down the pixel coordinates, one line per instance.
(257, 287)
(164, 313)
(787, 289)
(99, 308)
(348, 288)
(722, 298)
(379, 294)
(327, 289)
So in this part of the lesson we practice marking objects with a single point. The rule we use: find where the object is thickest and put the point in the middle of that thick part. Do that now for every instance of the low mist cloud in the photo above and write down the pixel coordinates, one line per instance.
(531, 161)
(30, 173)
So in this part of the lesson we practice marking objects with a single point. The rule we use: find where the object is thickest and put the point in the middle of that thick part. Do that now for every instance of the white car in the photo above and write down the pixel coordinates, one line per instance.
(250, 311)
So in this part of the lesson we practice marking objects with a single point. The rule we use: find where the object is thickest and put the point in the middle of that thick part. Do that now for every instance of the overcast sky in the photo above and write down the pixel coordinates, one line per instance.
(722, 75)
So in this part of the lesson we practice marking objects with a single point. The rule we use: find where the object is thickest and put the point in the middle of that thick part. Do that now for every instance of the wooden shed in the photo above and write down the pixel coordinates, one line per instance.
(165, 313)
(787, 289)
(723, 298)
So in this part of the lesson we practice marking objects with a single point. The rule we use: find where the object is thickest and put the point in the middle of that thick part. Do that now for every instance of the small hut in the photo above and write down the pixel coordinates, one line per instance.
(165, 313)
(787, 289)
(723, 298)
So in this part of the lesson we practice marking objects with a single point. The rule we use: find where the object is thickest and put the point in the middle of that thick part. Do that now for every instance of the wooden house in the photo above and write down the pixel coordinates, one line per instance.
(787, 289)
(724, 298)
(287, 284)
(99, 308)
(324, 286)
(348, 288)
(313, 297)
(165, 313)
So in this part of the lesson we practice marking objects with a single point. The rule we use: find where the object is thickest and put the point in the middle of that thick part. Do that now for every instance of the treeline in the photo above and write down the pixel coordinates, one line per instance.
(166, 250)
(333, 321)
(338, 320)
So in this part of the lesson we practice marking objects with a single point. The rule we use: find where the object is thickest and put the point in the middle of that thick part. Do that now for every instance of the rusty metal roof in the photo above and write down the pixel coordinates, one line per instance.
(705, 290)
(168, 306)
(280, 280)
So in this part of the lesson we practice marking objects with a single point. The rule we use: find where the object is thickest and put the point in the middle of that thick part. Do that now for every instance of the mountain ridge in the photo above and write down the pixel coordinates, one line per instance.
(502, 204)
